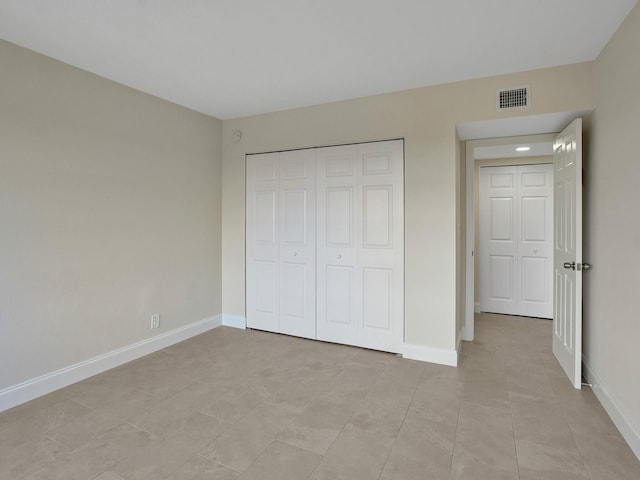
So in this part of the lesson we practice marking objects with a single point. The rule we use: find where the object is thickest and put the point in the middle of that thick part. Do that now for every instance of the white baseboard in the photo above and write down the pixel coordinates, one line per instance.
(477, 307)
(431, 355)
(49, 382)
(234, 321)
(630, 433)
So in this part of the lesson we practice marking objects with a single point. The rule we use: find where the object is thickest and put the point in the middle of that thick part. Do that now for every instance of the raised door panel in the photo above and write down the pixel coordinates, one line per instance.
(264, 222)
(534, 219)
(377, 298)
(339, 295)
(265, 299)
(535, 280)
(294, 282)
(294, 217)
(377, 216)
(339, 216)
(501, 278)
(501, 219)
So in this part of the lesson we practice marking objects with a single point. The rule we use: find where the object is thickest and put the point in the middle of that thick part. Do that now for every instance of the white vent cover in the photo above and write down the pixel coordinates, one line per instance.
(516, 97)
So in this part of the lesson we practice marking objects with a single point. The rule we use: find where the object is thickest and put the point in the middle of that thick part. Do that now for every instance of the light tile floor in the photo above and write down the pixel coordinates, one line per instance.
(232, 404)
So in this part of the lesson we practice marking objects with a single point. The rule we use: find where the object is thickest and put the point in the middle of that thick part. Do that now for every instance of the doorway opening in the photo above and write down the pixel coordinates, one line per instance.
(567, 214)
(496, 151)
(514, 231)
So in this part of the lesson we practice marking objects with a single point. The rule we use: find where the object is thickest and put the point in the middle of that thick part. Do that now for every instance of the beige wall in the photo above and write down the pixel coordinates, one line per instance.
(426, 119)
(109, 212)
(494, 162)
(612, 228)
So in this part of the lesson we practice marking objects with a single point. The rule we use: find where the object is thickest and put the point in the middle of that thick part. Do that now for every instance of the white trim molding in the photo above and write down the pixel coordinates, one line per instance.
(467, 336)
(429, 354)
(629, 432)
(52, 381)
(234, 321)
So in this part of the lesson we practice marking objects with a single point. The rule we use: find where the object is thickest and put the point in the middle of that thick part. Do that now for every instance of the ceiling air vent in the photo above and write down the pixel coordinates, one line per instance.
(509, 98)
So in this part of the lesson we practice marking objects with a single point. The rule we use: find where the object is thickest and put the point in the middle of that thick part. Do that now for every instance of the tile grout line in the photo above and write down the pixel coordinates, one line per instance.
(349, 419)
(513, 432)
(216, 462)
(579, 450)
(403, 420)
(556, 396)
(455, 436)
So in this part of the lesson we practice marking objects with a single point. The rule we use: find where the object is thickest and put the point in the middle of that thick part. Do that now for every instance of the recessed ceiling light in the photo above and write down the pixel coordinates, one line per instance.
(523, 149)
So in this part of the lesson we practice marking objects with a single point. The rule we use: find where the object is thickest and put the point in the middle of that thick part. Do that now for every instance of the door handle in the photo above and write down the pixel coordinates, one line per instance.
(339, 256)
(569, 265)
(584, 266)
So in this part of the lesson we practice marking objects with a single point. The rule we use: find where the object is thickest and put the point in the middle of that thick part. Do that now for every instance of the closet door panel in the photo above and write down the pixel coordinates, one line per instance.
(338, 313)
(262, 250)
(381, 248)
(298, 243)
(535, 195)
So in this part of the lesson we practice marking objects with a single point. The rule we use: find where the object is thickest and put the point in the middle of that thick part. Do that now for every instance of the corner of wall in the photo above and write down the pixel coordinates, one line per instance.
(234, 321)
(431, 355)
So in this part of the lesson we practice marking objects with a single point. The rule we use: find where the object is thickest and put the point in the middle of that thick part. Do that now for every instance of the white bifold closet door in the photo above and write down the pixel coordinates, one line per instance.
(325, 244)
(516, 240)
(281, 236)
(360, 245)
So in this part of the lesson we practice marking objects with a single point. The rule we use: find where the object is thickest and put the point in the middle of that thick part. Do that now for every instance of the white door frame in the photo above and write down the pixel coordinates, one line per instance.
(468, 328)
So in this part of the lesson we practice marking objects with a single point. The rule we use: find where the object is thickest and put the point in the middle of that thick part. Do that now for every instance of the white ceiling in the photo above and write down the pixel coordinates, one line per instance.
(231, 58)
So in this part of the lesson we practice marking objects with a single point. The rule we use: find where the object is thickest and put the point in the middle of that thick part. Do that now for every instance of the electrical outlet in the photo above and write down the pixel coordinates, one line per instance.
(155, 320)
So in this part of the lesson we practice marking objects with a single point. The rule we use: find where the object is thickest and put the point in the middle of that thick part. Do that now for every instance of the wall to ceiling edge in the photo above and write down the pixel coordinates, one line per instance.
(426, 118)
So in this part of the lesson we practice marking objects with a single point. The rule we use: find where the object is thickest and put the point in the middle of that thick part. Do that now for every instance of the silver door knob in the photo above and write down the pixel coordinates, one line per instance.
(569, 265)
(586, 266)
(339, 256)
(295, 254)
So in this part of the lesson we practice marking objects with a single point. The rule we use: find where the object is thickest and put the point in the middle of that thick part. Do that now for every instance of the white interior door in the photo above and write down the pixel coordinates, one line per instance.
(361, 245)
(381, 245)
(262, 249)
(567, 315)
(297, 227)
(498, 242)
(281, 234)
(338, 309)
(535, 247)
(516, 248)
(325, 244)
